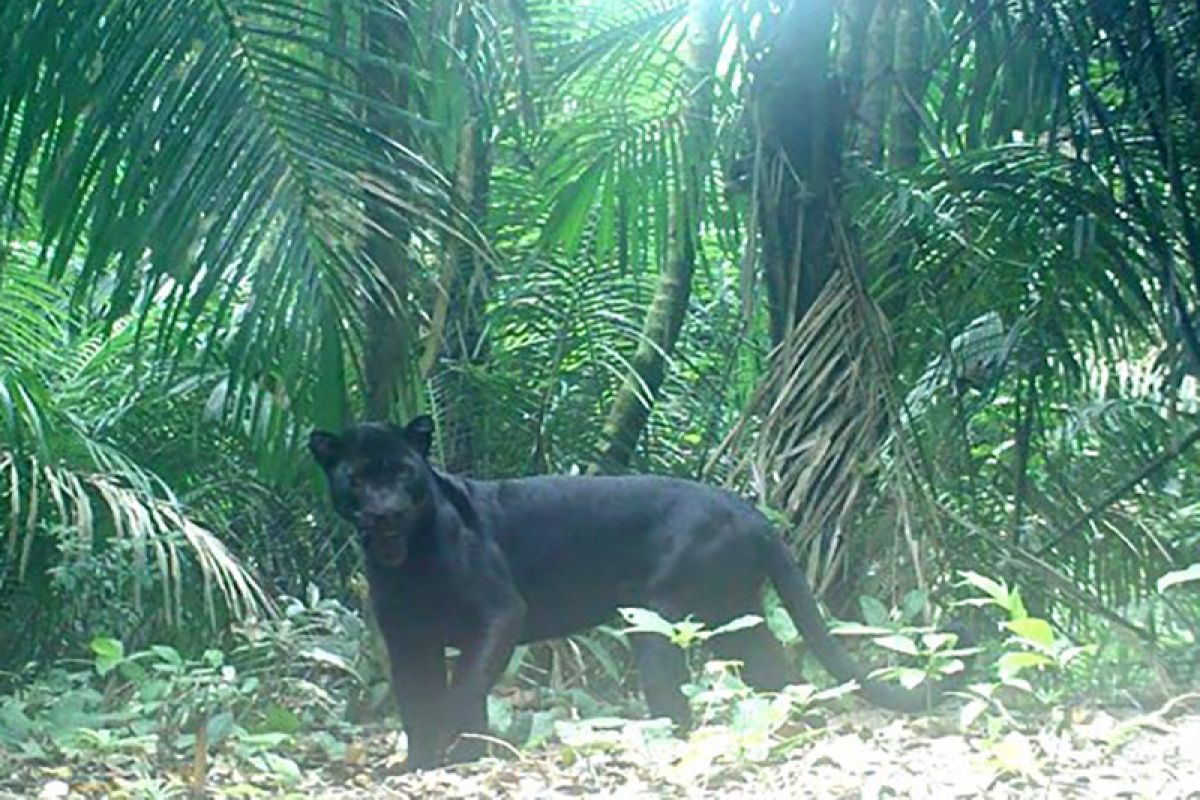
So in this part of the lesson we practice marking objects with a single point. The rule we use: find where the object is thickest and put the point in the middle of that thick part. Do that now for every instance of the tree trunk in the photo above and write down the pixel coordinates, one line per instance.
(986, 62)
(388, 362)
(664, 318)
(853, 22)
(526, 63)
(904, 147)
(800, 120)
(458, 342)
(877, 81)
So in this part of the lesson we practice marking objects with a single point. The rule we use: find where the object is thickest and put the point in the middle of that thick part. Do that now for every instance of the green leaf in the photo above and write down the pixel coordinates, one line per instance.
(643, 620)
(109, 653)
(322, 656)
(167, 654)
(840, 628)
(1015, 682)
(687, 632)
(873, 611)
(1011, 664)
(333, 748)
(541, 727)
(996, 591)
(278, 719)
(601, 654)
(1034, 630)
(15, 726)
(520, 653)
(913, 604)
(952, 666)
(971, 711)
(781, 624)
(739, 624)
(283, 766)
(72, 711)
(910, 678)
(570, 207)
(936, 641)
(500, 715)
(132, 671)
(898, 643)
(219, 727)
(264, 741)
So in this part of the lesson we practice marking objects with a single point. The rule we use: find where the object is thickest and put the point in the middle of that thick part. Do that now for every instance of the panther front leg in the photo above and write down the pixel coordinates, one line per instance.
(419, 683)
(479, 667)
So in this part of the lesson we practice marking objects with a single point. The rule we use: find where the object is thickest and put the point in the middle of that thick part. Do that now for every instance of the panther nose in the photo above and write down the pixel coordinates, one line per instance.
(374, 520)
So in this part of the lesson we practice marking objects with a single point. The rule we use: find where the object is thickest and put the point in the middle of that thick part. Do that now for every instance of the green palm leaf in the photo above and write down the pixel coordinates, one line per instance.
(65, 471)
(210, 160)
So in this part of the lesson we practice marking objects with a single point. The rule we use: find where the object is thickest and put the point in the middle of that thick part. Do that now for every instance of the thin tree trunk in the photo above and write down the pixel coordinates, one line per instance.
(877, 81)
(851, 47)
(526, 63)
(800, 121)
(631, 407)
(388, 362)
(904, 147)
(458, 323)
(338, 30)
(986, 62)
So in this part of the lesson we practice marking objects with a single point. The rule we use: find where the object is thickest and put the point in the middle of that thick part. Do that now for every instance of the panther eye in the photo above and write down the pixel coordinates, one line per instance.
(401, 468)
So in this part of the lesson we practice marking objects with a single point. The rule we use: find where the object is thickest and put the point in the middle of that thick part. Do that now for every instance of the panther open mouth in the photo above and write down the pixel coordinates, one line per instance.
(388, 549)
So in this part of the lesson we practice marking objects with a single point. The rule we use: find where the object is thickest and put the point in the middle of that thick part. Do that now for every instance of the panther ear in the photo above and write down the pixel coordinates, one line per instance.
(326, 447)
(419, 433)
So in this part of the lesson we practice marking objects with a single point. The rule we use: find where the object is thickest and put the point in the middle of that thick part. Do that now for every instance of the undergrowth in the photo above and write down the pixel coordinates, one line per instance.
(313, 680)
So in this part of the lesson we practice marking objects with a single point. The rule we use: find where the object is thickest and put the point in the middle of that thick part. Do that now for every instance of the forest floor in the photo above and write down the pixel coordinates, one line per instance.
(1086, 753)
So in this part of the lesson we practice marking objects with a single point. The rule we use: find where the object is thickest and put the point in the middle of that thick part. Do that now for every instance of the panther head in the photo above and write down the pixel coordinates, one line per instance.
(379, 478)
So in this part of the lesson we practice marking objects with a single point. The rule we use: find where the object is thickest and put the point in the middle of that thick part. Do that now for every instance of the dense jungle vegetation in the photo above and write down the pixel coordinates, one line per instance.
(921, 279)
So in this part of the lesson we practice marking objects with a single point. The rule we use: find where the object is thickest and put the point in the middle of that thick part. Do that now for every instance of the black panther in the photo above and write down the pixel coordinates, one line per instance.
(485, 565)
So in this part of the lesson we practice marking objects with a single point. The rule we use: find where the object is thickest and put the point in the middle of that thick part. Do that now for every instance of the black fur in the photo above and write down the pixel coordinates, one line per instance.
(485, 565)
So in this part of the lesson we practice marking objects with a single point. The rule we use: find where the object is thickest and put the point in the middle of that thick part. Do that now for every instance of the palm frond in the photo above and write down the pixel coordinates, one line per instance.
(63, 471)
(615, 49)
(816, 432)
(215, 159)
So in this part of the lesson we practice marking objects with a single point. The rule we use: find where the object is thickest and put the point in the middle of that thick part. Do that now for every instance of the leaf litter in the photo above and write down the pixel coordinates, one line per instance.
(1088, 753)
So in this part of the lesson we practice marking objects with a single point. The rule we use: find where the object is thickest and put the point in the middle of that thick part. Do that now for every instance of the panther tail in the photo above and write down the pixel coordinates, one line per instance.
(797, 596)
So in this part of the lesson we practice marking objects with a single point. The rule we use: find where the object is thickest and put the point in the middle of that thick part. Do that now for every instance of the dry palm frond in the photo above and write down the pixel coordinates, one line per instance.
(824, 411)
(41, 494)
(71, 419)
